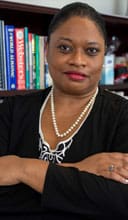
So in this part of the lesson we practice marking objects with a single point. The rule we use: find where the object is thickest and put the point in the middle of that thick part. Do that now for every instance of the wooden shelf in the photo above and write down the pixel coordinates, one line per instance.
(116, 87)
(17, 92)
(36, 18)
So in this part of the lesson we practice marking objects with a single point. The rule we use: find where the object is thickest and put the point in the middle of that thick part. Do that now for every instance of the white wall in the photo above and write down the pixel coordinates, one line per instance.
(118, 7)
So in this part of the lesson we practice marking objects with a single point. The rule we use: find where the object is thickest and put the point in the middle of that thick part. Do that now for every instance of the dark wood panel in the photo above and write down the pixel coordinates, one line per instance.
(17, 92)
(116, 87)
(36, 18)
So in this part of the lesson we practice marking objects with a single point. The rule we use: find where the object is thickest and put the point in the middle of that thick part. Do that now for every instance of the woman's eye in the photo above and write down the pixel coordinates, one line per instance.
(92, 51)
(65, 48)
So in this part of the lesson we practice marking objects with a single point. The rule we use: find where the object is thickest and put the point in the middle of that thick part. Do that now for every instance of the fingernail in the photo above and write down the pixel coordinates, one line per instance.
(126, 181)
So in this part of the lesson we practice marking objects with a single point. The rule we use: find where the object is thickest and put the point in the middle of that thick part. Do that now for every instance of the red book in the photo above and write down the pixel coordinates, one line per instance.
(20, 58)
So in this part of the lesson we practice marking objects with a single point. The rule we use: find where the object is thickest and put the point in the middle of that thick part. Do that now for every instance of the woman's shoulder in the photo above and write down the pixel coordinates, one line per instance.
(36, 94)
(111, 96)
(35, 98)
(111, 102)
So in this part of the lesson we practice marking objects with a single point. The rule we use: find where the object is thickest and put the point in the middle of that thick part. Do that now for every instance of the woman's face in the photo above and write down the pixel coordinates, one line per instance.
(75, 55)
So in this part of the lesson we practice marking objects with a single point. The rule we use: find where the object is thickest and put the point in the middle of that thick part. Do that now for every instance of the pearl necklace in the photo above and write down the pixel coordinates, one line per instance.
(89, 105)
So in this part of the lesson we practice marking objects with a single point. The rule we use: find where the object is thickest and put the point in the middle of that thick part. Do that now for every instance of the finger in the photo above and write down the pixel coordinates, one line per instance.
(116, 173)
(117, 177)
(118, 156)
(119, 174)
(120, 178)
(122, 172)
(125, 163)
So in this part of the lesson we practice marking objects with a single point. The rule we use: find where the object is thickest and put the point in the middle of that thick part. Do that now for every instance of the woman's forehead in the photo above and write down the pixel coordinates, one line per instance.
(81, 27)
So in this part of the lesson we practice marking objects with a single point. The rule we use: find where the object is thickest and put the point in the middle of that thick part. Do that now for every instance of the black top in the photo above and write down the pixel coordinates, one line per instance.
(68, 193)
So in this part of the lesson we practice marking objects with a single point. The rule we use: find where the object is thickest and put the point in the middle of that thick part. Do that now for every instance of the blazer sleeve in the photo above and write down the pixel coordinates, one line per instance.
(5, 124)
(69, 190)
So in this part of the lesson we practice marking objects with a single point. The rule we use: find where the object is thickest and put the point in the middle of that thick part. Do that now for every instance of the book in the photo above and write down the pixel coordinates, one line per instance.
(20, 58)
(3, 77)
(33, 62)
(30, 61)
(10, 57)
(37, 61)
(26, 49)
(41, 47)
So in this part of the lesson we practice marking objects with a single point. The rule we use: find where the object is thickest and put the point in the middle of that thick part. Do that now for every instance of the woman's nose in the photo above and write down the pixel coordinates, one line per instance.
(78, 58)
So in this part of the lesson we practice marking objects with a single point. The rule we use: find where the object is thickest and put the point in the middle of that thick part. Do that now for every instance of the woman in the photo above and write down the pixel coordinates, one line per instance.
(66, 146)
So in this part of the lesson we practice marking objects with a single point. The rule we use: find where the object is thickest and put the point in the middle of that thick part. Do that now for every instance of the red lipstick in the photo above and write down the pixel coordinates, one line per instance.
(78, 76)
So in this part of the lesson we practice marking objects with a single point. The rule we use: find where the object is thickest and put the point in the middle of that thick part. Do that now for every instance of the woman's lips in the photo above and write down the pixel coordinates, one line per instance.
(76, 75)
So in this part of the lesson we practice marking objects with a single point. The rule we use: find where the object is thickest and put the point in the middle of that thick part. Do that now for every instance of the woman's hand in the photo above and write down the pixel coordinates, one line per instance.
(109, 165)
(9, 170)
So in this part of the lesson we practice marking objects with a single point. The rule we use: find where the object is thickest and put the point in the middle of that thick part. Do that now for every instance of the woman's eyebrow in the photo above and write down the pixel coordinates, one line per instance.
(64, 39)
(93, 43)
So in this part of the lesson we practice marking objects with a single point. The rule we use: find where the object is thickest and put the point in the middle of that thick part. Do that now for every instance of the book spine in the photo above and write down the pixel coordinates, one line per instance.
(30, 61)
(1, 57)
(33, 62)
(37, 62)
(26, 45)
(41, 43)
(20, 58)
(3, 78)
(10, 57)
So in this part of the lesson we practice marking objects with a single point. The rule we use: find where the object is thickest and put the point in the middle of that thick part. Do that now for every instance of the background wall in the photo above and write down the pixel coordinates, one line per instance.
(115, 7)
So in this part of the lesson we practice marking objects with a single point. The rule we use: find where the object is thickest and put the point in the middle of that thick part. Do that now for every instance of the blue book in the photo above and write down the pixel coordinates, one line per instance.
(10, 57)
(3, 80)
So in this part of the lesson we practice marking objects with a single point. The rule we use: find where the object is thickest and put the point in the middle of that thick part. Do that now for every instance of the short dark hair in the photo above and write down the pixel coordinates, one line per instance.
(78, 9)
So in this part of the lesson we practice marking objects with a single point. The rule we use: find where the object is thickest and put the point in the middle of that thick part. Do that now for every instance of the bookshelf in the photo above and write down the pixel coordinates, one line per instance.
(37, 19)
